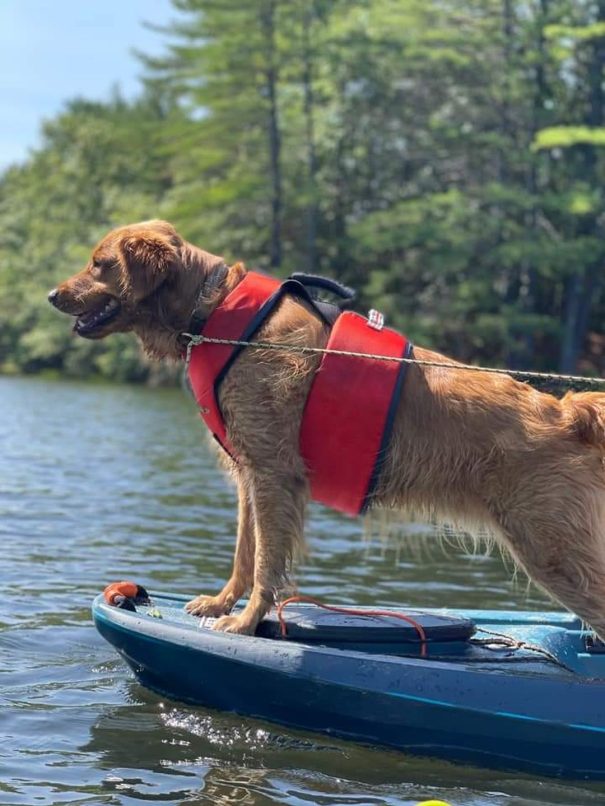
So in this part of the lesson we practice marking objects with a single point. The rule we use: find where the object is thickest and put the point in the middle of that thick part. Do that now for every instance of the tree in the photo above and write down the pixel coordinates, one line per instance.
(581, 50)
(97, 165)
(445, 157)
(224, 64)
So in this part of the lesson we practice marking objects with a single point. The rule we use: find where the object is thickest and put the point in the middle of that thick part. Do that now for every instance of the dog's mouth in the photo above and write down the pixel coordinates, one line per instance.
(91, 322)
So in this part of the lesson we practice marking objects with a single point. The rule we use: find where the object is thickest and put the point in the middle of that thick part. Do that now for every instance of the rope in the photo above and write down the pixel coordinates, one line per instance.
(351, 611)
(194, 340)
(504, 640)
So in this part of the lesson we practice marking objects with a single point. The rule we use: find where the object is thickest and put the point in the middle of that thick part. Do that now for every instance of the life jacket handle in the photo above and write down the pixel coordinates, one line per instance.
(345, 294)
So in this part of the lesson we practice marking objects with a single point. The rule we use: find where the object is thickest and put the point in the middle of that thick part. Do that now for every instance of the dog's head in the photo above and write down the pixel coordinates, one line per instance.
(122, 278)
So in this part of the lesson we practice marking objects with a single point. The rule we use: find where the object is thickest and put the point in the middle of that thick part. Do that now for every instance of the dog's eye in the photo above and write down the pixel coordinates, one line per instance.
(96, 267)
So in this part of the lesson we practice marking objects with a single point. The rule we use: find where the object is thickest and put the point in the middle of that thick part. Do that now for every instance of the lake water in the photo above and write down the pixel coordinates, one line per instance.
(100, 483)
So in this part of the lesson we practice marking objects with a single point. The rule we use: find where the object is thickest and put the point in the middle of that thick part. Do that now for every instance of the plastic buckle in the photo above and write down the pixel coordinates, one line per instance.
(375, 319)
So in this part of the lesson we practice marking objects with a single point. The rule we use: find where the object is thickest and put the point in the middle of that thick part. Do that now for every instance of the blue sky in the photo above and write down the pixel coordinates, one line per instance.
(53, 50)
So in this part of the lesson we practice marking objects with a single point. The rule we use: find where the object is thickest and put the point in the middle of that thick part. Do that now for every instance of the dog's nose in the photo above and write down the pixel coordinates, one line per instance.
(52, 297)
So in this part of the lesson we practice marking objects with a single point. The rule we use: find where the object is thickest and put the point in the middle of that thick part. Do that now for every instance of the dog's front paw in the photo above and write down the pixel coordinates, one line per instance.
(236, 624)
(208, 606)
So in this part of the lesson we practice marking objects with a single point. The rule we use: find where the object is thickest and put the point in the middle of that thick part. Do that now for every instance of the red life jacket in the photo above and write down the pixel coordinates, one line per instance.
(350, 410)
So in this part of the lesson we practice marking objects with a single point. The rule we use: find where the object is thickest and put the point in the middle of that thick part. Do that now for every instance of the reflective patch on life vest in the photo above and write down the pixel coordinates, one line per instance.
(375, 319)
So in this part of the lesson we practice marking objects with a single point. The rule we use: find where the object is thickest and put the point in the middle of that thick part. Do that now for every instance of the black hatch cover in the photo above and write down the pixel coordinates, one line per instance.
(314, 625)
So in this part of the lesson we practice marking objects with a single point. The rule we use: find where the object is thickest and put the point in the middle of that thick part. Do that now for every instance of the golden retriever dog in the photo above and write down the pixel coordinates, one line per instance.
(469, 448)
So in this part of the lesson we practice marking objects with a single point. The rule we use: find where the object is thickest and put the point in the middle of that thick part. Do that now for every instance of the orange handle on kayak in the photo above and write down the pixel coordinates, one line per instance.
(125, 593)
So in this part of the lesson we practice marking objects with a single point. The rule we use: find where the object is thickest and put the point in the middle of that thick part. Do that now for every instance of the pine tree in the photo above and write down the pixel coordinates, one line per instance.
(224, 63)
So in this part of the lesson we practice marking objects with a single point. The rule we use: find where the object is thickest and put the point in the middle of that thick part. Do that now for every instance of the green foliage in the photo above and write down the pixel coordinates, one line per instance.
(578, 33)
(442, 156)
(98, 165)
(567, 136)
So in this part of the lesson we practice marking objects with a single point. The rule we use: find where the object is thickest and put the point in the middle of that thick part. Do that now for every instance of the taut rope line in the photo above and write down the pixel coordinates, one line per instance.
(194, 340)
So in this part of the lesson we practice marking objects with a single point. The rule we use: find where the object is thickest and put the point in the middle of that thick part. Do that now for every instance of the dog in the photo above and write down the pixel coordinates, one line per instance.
(470, 448)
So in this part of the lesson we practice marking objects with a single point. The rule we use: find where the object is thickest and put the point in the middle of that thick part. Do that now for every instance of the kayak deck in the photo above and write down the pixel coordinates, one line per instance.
(513, 690)
(544, 643)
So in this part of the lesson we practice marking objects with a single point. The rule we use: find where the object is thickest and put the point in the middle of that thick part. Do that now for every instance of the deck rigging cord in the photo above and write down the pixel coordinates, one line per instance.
(495, 641)
(352, 611)
(498, 640)
(195, 340)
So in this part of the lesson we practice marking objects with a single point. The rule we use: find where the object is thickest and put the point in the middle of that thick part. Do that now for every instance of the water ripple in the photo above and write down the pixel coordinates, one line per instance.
(99, 483)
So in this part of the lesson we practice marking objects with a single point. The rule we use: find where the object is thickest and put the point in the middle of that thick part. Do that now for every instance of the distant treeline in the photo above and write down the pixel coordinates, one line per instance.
(444, 157)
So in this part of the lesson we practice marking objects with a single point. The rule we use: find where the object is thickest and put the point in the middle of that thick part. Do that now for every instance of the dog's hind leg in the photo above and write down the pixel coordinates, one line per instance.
(562, 549)
(242, 575)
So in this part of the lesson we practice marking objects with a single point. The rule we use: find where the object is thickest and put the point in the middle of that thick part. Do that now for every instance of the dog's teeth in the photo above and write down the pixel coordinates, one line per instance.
(93, 318)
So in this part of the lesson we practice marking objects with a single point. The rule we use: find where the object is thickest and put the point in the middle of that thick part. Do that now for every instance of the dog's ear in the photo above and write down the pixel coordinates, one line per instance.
(147, 259)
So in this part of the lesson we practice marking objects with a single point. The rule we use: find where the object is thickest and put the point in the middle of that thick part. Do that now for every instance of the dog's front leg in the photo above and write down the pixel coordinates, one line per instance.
(279, 501)
(242, 575)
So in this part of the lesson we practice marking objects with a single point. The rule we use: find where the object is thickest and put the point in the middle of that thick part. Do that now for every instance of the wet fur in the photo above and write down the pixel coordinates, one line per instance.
(474, 449)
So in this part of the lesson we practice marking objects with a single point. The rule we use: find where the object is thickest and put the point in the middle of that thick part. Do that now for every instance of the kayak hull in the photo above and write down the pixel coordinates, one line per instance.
(541, 717)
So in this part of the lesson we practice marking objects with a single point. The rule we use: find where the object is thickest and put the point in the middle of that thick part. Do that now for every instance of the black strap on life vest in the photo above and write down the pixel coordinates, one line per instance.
(313, 285)
(305, 287)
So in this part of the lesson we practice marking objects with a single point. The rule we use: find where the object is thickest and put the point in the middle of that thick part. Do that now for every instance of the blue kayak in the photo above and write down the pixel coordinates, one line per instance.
(513, 690)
